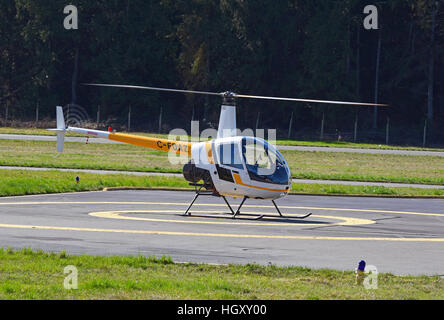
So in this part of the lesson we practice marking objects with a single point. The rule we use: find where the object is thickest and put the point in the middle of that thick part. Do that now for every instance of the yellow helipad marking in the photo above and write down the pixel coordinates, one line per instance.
(218, 205)
(117, 215)
(219, 235)
(256, 236)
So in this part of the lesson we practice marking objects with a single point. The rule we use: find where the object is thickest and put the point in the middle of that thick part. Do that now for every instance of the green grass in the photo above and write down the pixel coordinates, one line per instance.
(347, 144)
(22, 182)
(27, 274)
(290, 142)
(336, 189)
(303, 164)
(85, 156)
(366, 167)
(31, 131)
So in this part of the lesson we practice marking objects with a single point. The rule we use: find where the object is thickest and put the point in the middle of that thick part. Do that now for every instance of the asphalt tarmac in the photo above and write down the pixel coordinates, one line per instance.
(401, 236)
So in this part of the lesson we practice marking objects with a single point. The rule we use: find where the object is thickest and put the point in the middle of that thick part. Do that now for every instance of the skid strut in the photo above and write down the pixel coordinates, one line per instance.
(198, 193)
(238, 213)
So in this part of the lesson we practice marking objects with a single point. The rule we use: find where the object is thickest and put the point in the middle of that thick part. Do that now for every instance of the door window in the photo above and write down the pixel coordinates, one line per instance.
(229, 155)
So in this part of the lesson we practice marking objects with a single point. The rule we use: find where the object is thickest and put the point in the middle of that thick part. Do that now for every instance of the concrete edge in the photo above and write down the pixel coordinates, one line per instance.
(291, 193)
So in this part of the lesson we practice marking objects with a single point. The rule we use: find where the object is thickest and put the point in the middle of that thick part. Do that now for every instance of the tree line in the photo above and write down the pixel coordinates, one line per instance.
(317, 49)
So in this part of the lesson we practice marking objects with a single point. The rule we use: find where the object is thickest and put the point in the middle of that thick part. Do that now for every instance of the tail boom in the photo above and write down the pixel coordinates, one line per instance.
(178, 147)
(147, 142)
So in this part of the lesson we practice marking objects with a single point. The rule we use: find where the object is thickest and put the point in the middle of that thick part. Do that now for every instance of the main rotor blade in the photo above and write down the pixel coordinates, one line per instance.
(150, 88)
(235, 95)
(310, 100)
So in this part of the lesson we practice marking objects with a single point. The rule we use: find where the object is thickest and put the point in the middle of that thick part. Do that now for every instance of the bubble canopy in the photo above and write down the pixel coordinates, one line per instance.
(264, 162)
(259, 158)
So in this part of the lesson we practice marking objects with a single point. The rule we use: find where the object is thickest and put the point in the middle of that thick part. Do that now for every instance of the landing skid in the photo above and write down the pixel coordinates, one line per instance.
(234, 214)
(258, 217)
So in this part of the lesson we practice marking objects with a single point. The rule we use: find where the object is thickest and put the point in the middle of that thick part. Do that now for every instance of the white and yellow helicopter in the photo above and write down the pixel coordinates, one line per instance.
(228, 166)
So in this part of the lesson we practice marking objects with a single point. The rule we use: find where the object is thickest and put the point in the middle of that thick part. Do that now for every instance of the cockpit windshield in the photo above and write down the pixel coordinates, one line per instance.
(263, 162)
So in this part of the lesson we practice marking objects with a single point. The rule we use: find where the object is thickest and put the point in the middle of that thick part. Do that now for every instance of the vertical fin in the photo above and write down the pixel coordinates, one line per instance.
(60, 118)
(60, 129)
(60, 141)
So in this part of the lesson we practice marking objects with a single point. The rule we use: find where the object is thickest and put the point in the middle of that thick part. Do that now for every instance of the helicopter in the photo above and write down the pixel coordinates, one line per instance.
(229, 166)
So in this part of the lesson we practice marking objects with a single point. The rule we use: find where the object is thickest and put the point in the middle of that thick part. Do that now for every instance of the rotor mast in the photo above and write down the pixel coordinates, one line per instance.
(227, 120)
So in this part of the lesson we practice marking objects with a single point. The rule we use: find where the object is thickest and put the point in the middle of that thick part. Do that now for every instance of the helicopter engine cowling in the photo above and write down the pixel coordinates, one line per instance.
(194, 174)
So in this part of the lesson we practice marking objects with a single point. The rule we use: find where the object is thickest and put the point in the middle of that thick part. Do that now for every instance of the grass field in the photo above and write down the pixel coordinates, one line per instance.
(303, 164)
(340, 144)
(20, 182)
(28, 274)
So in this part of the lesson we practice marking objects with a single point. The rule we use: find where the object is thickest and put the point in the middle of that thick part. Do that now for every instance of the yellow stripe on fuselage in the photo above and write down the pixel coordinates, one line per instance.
(153, 143)
(238, 180)
(209, 152)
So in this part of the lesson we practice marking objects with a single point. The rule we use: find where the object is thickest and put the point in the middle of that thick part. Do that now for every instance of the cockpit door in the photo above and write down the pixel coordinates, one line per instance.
(228, 159)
